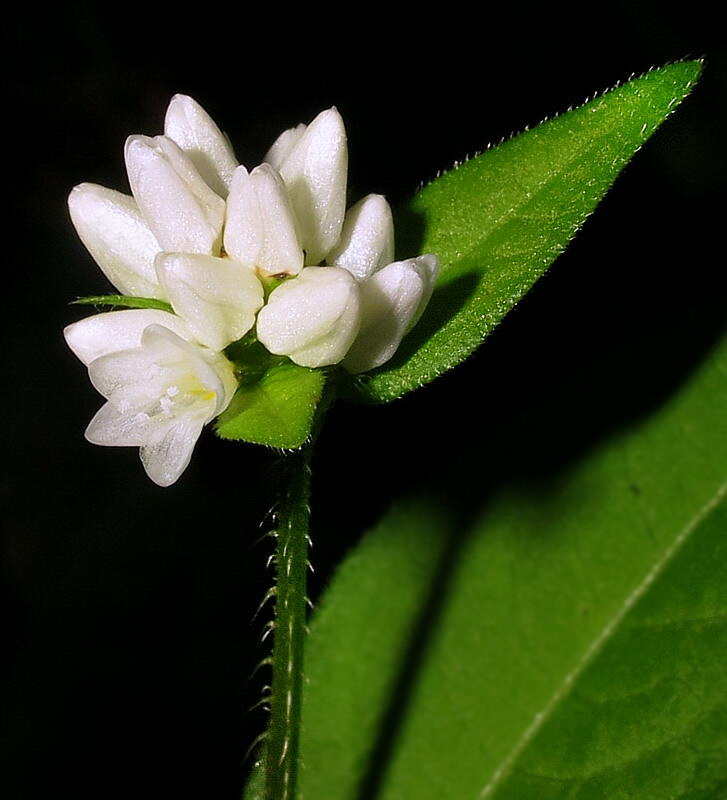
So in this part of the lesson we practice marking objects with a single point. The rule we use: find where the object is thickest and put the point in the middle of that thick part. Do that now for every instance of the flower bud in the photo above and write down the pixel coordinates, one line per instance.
(367, 238)
(313, 318)
(184, 214)
(391, 302)
(118, 237)
(217, 297)
(315, 172)
(191, 127)
(260, 227)
(280, 148)
(96, 336)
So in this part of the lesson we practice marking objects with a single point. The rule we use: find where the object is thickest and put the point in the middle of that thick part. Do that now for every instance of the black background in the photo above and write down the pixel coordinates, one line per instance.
(128, 607)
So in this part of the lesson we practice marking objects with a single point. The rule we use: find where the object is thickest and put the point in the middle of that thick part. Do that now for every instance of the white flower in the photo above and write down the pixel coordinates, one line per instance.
(360, 321)
(392, 301)
(161, 388)
(177, 239)
(313, 163)
(217, 297)
(367, 239)
(165, 241)
(324, 319)
(393, 293)
(184, 214)
(192, 128)
(116, 234)
(314, 318)
(260, 230)
(206, 235)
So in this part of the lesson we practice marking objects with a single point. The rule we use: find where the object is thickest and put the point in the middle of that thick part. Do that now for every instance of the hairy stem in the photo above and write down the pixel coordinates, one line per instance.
(291, 564)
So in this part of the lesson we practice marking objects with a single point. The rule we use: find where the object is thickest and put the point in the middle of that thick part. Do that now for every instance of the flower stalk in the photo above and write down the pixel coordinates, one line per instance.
(291, 566)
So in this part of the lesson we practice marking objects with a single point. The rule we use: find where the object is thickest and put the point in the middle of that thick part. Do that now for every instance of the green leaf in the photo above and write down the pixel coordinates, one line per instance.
(560, 636)
(498, 221)
(123, 301)
(658, 691)
(276, 409)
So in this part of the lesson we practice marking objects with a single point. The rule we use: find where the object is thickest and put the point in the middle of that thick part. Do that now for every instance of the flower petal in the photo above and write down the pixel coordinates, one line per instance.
(182, 211)
(391, 302)
(164, 377)
(428, 266)
(367, 238)
(168, 449)
(313, 318)
(111, 428)
(260, 228)
(283, 145)
(315, 174)
(217, 297)
(106, 333)
(116, 234)
(131, 379)
(213, 381)
(196, 133)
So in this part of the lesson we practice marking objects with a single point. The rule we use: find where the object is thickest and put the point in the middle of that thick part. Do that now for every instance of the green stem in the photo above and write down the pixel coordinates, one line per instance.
(291, 565)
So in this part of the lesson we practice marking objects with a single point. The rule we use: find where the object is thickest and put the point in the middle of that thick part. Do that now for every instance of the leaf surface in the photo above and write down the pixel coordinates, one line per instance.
(557, 636)
(498, 221)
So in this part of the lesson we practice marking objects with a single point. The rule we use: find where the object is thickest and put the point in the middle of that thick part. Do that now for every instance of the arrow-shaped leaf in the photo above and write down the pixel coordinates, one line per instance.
(498, 221)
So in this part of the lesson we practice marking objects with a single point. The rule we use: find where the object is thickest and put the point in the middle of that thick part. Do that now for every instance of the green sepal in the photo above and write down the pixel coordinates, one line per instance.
(276, 402)
(123, 301)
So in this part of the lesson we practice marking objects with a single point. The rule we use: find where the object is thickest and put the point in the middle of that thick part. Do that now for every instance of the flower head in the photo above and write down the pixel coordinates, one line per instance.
(211, 238)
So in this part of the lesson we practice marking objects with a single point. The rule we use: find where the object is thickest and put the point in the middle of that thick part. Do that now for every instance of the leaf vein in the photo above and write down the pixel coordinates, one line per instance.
(569, 681)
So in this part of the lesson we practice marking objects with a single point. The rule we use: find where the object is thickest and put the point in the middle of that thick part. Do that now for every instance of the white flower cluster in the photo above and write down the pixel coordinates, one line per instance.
(209, 237)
